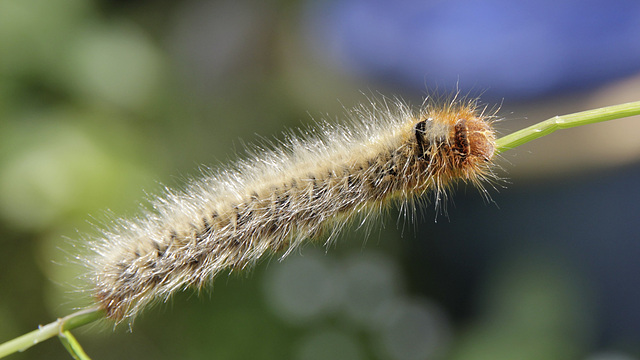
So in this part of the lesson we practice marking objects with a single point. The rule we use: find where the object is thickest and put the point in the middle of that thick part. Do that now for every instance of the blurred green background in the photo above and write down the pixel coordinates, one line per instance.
(104, 103)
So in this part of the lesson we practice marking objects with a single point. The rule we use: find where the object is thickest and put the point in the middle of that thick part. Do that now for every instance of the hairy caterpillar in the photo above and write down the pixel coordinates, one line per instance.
(309, 187)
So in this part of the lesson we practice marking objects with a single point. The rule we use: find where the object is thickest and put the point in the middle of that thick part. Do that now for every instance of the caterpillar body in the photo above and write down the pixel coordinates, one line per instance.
(309, 187)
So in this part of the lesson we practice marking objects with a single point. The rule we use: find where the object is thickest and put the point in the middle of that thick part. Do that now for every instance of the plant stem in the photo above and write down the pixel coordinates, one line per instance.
(546, 127)
(45, 332)
(73, 346)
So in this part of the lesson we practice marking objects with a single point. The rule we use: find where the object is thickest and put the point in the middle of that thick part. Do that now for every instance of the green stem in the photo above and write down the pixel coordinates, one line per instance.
(73, 346)
(546, 127)
(55, 328)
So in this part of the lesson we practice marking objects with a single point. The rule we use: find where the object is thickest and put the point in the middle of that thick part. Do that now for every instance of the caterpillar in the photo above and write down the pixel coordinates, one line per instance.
(308, 187)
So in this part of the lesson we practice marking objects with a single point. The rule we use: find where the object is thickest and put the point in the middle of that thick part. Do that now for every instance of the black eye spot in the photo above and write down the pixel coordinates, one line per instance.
(422, 142)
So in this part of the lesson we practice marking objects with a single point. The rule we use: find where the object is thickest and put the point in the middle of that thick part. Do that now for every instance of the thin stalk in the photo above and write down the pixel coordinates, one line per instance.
(55, 328)
(546, 127)
(73, 346)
